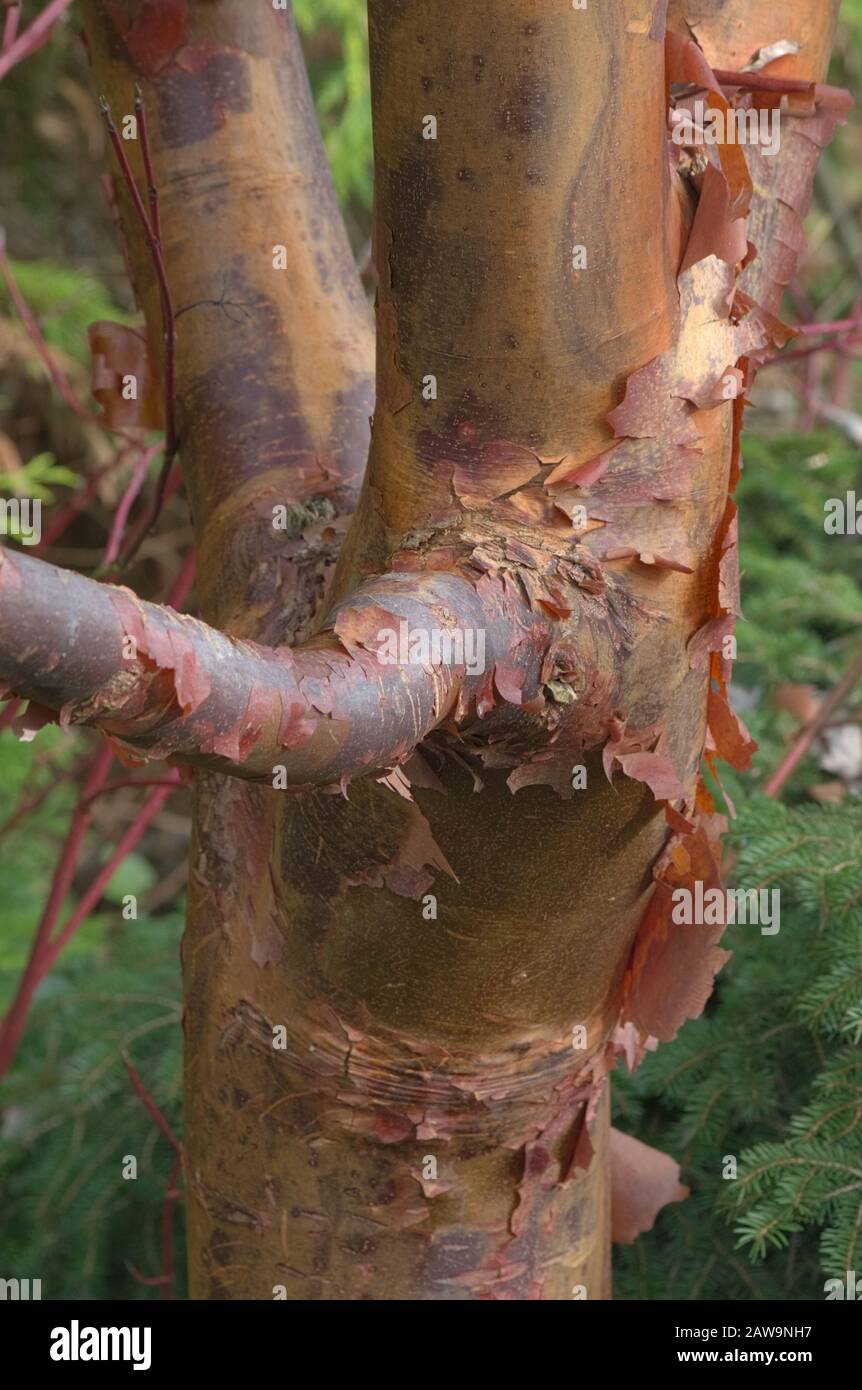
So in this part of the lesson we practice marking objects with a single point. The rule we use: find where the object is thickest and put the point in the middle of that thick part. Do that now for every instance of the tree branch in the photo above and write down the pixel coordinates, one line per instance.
(730, 32)
(17, 47)
(274, 348)
(353, 700)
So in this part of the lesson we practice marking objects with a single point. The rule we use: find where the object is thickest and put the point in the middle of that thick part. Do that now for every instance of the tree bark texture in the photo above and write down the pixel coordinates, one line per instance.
(405, 990)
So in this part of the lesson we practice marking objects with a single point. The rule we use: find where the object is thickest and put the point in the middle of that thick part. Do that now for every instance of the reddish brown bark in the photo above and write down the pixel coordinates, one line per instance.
(164, 685)
(274, 366)
(383, 1101)
(731, 33)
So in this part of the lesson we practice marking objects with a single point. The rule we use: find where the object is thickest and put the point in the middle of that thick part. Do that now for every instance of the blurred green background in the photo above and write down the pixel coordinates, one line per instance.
(770, 1075)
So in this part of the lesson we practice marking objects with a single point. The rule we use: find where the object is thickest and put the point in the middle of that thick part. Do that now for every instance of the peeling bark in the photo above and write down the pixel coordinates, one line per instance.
(274, 366)
(403, 1003)
(164, 685)
(733, 32)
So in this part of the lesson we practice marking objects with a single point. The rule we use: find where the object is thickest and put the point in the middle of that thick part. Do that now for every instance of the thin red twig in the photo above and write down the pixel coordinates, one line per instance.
(26, 806)
(800, 354)
(166, 1279)
(46, 947)
(35, 334)
(761, 82)
(179, 590)
(64, 872)
(33, 36)
(172, 1195)
(10, 25)
(136, 482)
(144, 136)
(150, 1106)
(847, 333)
(127, 842)
(140, 528)
(124, 782)
(167, 312)
(73, 508)
(837, 326)
(85, 494)
(803, 742)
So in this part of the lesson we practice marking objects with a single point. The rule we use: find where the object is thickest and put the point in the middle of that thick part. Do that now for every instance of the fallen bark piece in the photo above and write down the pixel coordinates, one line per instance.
(643, 1181)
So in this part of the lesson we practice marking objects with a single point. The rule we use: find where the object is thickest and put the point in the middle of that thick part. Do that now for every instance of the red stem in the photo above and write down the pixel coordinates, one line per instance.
(152, 191)
(135, 782)
(796, 753)
(799, 353)
(165, 1280)
(26, 808)
(760, 82)
(167, 311)
(127, 842)
(76, 504)
(62, 384)
(33, 37)
(35, 334)
(38, 962)
(44, 951)
(136, 482)
(179, 590)
(837, 326)
(171, 1196)
(142, 525)
(150, 1106)
(10, 26)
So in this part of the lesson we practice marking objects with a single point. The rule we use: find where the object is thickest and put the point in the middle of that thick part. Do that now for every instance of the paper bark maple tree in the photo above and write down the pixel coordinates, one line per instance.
(429, 904)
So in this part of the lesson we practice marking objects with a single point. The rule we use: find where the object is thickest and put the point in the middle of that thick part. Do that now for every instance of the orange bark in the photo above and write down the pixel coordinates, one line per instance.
(401, 1009)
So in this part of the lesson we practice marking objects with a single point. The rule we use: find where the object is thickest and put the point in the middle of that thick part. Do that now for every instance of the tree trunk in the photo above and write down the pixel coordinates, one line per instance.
(403, 996)
(402, 1141)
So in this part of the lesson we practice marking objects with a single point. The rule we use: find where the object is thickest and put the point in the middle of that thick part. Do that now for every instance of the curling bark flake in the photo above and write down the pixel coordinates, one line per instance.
(380, 1105)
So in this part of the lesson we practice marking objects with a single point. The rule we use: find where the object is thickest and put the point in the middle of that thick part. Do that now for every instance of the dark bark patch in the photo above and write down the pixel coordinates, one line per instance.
(527, 111)
(325, 838)
(455, 1253)
(150, 30)
(196, 98)
(360, 1246)
(461, 447)
(220, 1248)
(414, 190)
(244, 418)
